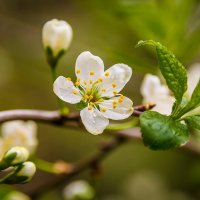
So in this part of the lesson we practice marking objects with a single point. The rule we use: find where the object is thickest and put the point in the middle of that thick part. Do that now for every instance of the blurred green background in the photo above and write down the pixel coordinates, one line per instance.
(109, 29)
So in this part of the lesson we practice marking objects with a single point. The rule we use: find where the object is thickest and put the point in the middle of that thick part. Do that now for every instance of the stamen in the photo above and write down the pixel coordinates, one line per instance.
(100, 80)
(77, 83)
(107, 74)
(78, 79)
(91, 97)
(85, 83)
(114, 92)
(86, 96)
(78, 71)
(91, 73)
(114, 102)
(114, 106)
(103, 90)
(103, 109)
(68, 79)
(91, 81)
(114, 84)
(74, 91)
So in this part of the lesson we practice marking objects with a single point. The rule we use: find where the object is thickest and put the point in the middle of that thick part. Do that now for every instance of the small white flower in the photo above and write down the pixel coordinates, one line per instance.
(78, 190)
(57, 35)
(19, 133)
(154, 92)
(97, 90)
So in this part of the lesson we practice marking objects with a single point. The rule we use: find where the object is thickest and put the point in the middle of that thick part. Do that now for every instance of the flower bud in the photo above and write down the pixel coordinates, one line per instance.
(21, 174)
(14, 156)
(56, 36)
(79, 190)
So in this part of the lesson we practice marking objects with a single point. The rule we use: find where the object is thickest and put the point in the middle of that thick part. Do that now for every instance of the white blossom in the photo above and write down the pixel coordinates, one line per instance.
(57, 35)
(154, 92)
(97, 90)
(19, 133)
(15, 195)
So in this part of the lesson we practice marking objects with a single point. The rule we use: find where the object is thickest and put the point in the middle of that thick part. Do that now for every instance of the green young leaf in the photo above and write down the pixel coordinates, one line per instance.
(161, 132)
(193, 121)
(173, 71)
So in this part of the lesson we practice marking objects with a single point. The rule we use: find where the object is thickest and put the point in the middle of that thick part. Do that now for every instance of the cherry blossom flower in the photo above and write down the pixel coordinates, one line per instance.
(154, 92)
(96, 92)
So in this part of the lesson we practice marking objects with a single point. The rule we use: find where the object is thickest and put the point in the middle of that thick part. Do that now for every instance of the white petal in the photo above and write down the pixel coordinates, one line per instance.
(66, 90)
(152, 88)
(114, 79)
(88, 67)
(193, 77)
(94, 121)
(163, 106)
(122, 110)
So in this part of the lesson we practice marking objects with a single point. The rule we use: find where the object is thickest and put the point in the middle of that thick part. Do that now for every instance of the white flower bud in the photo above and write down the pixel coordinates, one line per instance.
(28, 170)
(57, 35)
(16, 155)
(78, 189)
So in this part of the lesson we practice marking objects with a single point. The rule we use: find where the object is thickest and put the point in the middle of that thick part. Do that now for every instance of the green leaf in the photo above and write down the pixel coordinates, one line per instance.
(193, 121)
(160, 132)
(173, 71)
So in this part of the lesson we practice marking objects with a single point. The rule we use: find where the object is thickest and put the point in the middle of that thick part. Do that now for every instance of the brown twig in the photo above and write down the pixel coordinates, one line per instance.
(73, 120)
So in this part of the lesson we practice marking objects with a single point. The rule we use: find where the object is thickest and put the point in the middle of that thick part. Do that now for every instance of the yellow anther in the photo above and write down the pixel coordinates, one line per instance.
(114, 102)
(107, 73)
(100, 80)
(77, 83)
(78, 71)
(90, 108)
(114, 106)
(78, 79)
(91, 81)
(121, 97)
(91, 73)
(91, 97)
(103, 90)
(68, 79)
(74, 91)
(114, 84)
(86, 96)
(103, 109)
(85, 83)
(114, 92)
(120, 100)
(91, 103)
